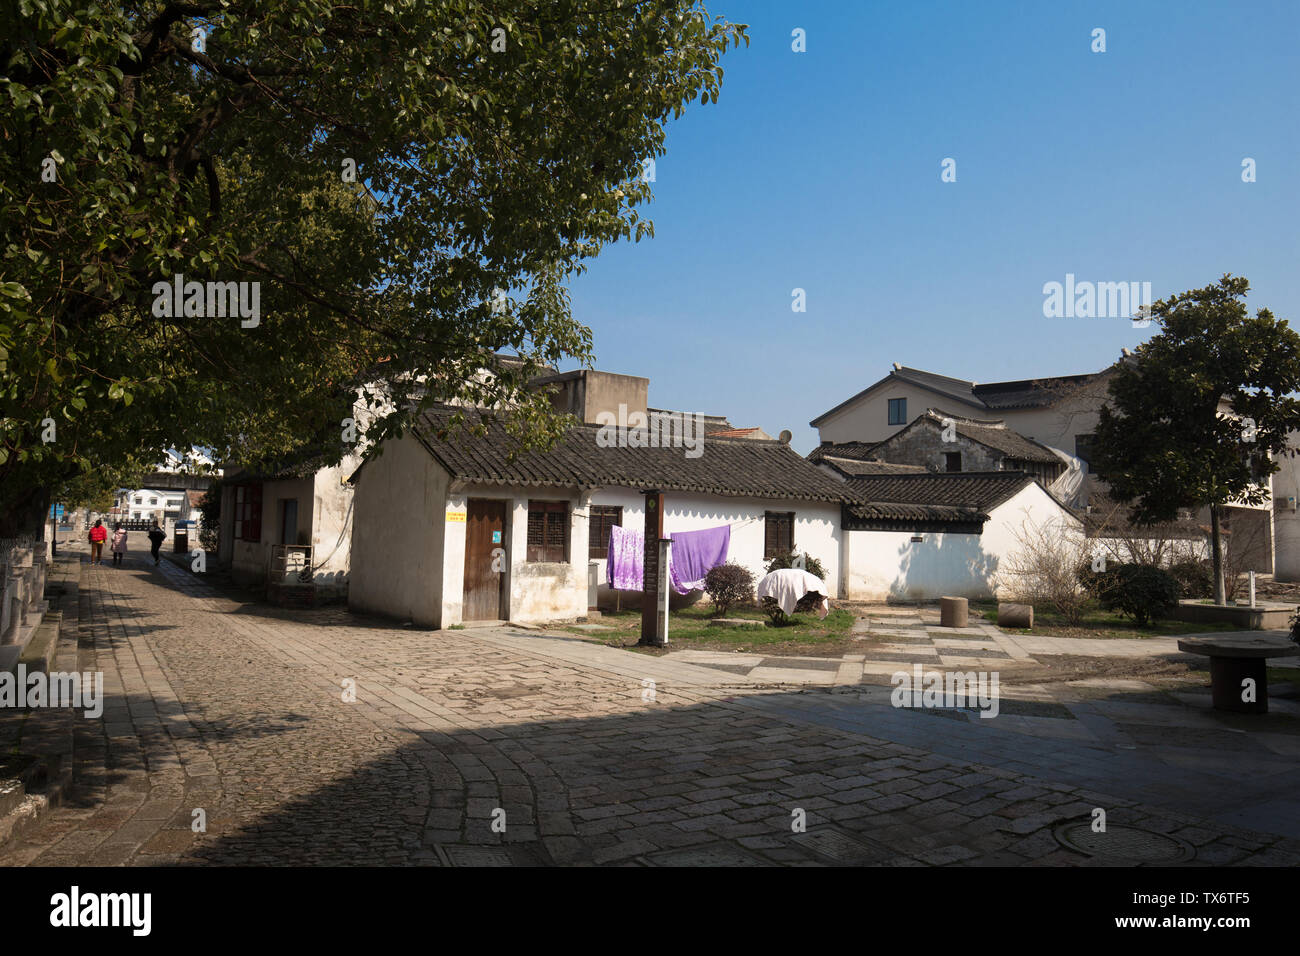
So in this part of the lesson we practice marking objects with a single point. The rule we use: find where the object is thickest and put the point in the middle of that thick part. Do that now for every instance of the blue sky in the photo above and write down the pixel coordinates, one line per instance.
(821, 171)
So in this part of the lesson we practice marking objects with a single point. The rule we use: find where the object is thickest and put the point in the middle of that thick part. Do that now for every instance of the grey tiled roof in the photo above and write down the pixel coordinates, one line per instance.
(1026, 393)
(980, 490)
(898, 511)
(728, 467)
(991, 434)
(852, 468)
(1029, 393)
(860, 450)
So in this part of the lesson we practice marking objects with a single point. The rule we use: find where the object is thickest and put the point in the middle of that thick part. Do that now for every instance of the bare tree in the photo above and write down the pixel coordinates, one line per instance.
(1043, 567)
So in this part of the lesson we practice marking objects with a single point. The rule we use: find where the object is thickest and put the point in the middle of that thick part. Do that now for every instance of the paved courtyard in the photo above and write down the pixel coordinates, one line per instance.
(500, 746)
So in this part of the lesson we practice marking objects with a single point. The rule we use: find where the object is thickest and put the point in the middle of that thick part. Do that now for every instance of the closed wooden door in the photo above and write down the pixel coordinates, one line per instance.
(485, 559)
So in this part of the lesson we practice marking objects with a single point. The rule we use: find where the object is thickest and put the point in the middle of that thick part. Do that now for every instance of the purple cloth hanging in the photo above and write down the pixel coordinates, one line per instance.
(625, 566)
(694, 553)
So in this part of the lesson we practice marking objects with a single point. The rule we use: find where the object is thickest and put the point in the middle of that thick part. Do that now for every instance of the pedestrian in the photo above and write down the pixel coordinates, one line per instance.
(156, 535)
(119, 544)
(98, 535)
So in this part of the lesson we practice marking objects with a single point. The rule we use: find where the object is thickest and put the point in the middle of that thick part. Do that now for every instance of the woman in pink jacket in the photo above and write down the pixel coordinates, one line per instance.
(119, 543)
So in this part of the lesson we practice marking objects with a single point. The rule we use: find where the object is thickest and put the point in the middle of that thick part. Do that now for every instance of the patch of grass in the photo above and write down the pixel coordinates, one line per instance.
(1282, 675)
(689, 628)
(1097, 623)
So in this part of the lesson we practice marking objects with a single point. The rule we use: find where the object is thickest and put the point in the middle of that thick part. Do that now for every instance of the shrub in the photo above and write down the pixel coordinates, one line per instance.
(1195, 578)
(1044, 569)
(807, 604)
(1139, 591)
(796, 560)
(210, 514)
(1092, 581)
(728, 584)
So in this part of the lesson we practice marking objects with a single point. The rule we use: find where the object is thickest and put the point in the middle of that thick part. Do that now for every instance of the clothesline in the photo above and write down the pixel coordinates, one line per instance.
(692, 556)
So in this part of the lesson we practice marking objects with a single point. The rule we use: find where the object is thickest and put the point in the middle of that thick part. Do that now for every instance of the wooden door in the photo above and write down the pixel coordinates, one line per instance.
(485, 532)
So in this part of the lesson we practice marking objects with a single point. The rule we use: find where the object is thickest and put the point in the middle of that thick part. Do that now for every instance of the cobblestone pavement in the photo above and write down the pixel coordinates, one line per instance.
(587, 754)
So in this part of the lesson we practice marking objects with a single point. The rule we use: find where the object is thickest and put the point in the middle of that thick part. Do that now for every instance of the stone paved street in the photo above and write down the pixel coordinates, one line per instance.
(595, 755)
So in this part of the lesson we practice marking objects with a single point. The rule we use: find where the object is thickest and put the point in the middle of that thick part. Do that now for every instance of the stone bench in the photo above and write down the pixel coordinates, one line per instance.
(1234, 658)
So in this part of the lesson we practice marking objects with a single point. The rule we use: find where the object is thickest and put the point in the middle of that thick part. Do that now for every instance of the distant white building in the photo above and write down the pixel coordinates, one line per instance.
(145, 504)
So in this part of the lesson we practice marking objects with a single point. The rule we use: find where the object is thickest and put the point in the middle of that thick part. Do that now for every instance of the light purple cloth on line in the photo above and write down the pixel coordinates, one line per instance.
(625, 565)
(694, 553)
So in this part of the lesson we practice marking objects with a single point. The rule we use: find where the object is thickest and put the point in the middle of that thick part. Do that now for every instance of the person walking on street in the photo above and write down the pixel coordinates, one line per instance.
(119, 544)
(156, 536)
(98, 535)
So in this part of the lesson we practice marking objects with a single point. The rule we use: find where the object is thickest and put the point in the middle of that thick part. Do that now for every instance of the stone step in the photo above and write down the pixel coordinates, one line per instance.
(26, 785)
(41, 649)
(19, 773)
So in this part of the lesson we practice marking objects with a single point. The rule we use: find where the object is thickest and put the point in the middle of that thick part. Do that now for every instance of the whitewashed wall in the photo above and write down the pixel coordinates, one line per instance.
(816, 529)
(534, 591)
(331, 513)
(397, 550)
(889, 565)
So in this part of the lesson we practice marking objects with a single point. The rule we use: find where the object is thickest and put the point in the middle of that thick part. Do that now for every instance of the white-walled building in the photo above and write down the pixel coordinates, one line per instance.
(453, 527)
(146, 504)
(1058, 412)
(919, 537)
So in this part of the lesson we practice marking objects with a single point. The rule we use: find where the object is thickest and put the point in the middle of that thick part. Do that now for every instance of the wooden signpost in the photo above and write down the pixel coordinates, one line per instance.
(654, 621)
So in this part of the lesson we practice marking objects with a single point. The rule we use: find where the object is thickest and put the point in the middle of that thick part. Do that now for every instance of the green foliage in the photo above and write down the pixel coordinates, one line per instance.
(1139, 591)
(806, 605)
(797, 560)
(1201, 414)
(1195, 578)
(729, 584)
(210, 518)
(477, 170)
(1091, 581)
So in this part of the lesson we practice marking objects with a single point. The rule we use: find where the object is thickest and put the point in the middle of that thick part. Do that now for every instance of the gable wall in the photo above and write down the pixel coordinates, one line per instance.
(868, 418)
(399, 521)
(924, 445)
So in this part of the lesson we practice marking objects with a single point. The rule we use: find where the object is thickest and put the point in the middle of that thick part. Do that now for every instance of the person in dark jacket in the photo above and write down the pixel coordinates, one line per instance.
(156, 536)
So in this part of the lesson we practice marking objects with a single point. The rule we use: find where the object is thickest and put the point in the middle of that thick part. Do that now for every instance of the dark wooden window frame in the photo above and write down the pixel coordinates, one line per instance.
(600, 519)
(548, 532)
(778, 533)
(248, 512)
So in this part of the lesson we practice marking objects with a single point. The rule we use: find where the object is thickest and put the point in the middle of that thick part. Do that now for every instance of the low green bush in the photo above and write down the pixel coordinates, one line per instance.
(1139, 591)
(795, 559)
(1196, 578)
(729, 584)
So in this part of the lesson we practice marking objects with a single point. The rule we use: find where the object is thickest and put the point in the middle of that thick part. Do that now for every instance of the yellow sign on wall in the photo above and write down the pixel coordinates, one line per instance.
(455, 516)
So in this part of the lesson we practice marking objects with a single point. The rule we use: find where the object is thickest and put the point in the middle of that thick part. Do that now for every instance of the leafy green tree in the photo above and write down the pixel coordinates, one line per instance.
(1200, 414)
(411, 183)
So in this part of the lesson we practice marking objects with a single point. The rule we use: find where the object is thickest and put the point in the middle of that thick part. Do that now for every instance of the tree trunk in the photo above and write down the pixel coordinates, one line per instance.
(24, 514)
(1216, 547)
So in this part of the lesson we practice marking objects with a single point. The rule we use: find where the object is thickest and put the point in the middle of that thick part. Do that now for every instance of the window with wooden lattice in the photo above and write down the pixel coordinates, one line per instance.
(778, 533)
(601, 519)
(548, 532)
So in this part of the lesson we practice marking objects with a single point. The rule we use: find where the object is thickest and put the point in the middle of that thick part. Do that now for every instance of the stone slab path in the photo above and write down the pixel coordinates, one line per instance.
(319, 737)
